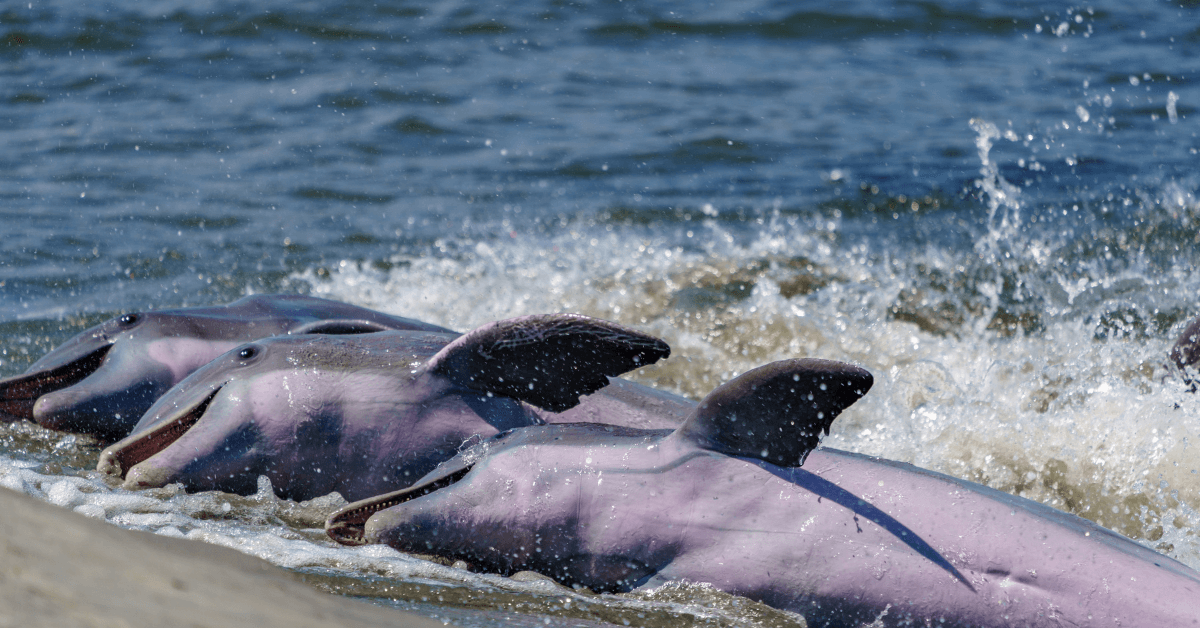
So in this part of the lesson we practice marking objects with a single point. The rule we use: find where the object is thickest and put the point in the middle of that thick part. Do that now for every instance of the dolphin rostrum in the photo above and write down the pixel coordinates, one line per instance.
(845, 540)
(102, 380)
(370, 413)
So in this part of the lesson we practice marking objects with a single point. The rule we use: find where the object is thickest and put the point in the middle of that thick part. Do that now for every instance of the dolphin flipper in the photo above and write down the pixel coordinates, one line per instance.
(776, 412)
(546, 360)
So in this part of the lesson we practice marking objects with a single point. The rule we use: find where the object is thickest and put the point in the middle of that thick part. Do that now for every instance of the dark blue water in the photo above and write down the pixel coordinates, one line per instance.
(184, 152)
(991, 205)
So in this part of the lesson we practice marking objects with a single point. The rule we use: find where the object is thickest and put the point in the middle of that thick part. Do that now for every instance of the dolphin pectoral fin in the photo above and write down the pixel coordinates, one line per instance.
(547, 360)
(603, 574)
(652, 581)
(776, 413)
(19, 394)
(341, 326)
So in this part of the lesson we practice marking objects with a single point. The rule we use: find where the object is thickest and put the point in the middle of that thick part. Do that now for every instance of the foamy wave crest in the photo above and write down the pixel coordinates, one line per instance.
(1064, 402)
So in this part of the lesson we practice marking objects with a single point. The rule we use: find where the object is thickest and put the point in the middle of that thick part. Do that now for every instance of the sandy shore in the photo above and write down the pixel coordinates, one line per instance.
(61, 569)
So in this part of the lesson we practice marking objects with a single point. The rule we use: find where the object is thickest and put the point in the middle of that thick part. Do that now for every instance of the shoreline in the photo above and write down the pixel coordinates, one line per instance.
(63, 569)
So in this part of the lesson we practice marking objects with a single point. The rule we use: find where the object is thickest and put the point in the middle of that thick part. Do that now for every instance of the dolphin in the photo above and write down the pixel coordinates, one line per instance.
(845, 539)
(1185, 354)
(103, 380)
(370, 413)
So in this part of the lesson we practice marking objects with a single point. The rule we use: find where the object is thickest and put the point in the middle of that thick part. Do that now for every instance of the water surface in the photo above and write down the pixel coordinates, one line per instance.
(991, 206)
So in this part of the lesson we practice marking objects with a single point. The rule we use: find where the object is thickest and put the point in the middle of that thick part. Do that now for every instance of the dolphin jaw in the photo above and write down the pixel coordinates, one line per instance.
(348, 525)
(122, 456)
(19, 394)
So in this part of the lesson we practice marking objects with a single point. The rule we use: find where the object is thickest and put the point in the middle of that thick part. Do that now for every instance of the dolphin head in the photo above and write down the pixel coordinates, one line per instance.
(366, 413)
(100, 381)
(286, 407)
(520, 502)
(228, 433)
(106, 377)
(538, 498)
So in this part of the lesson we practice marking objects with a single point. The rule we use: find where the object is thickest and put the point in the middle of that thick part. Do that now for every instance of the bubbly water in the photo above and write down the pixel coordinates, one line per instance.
(990, 206)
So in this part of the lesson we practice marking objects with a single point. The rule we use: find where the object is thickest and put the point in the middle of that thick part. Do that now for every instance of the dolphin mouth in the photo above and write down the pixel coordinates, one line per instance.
(18, 394)
(118, 458)
(347, 526)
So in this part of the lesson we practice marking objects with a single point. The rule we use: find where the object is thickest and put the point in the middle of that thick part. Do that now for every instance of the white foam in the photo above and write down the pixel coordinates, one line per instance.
(1058, 415)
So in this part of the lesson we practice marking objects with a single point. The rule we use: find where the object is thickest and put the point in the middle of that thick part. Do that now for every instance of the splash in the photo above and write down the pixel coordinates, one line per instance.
(998, 191)
(1065, 411)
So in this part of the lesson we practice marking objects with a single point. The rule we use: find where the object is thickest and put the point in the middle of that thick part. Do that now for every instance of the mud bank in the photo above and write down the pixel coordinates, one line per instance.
(61, 569)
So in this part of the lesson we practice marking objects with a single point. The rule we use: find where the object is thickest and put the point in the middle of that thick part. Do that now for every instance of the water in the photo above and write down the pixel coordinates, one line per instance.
(991, 206)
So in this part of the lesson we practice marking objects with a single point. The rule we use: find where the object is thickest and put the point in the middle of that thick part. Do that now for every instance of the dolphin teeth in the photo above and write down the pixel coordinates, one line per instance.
(120, 457)
(347, 525)
(18, 394)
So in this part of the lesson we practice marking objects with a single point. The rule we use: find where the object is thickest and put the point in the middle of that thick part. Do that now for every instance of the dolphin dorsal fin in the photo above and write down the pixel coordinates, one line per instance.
(341, 326)
(776, 412)
(545, 360)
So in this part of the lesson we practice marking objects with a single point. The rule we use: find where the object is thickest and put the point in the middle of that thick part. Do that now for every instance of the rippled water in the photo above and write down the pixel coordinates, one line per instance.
(991, 206)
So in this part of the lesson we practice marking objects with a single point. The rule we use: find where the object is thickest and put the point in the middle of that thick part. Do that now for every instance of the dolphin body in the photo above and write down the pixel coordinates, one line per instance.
(104, 379)
(1185, 354)
(846, 539)
(370, 413)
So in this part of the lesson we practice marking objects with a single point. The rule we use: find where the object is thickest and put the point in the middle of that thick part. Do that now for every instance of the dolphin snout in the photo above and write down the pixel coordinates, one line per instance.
(129, 453)
(375, 519)
(19, 394)
(85, 409)
(388, 527)
(146, 476)
(416, 527)
(56, 410)
(109, 463)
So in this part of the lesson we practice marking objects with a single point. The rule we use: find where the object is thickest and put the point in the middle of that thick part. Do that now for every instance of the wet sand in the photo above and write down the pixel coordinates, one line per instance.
(61, 569)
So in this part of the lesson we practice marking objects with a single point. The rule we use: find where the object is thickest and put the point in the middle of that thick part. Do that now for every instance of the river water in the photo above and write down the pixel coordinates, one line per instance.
(990, 205)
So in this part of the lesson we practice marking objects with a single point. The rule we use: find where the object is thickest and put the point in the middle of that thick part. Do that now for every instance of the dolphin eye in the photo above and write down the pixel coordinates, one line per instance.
(247, 352)
(128, 319)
